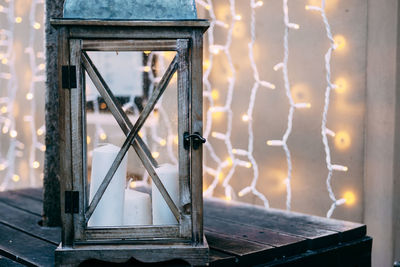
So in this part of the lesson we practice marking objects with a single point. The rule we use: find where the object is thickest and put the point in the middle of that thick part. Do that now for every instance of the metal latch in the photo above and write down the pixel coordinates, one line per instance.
(197, 140)
(68, 77)
(71, 202)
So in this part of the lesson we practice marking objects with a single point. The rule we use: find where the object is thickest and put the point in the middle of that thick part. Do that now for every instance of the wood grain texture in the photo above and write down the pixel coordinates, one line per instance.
(51, 184)
(225, 238)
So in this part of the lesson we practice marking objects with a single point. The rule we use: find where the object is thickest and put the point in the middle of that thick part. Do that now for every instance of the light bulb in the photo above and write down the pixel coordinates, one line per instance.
(103, 136)
(245, 118)
(340, 41)
(18, 19)
(36, 26)
(13, 133)
(16, 178)
(342, 140)
(29, 96)
(40, 131)
(350, 198)
(214, 94)
(229, 161)
(36, 164)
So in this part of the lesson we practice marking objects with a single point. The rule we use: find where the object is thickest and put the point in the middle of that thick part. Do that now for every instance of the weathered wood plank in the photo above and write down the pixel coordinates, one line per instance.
(21, 202)
(24, 248)
(284, 244)
(133, 23)
(129, 45)
(349, 254)
(284, 224)
(28, 223)
(196, 124)
(6, 262)
(183, 126)
(221, 259)
(35, 193)
(247, 252)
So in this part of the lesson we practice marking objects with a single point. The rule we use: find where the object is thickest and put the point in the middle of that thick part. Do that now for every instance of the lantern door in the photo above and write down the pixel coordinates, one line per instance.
(107, 105)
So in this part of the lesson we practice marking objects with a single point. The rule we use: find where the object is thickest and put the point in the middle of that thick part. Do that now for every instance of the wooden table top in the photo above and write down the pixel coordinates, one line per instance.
(238, 235)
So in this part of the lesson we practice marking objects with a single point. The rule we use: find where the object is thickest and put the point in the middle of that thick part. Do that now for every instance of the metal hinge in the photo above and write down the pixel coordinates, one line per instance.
(68, 77)
(71, 202)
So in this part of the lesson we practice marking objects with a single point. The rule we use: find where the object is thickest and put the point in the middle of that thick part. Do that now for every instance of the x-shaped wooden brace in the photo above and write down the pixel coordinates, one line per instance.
(131, 132)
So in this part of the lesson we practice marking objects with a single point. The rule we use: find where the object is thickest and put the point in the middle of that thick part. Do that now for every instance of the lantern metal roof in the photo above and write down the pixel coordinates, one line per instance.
(130, 9)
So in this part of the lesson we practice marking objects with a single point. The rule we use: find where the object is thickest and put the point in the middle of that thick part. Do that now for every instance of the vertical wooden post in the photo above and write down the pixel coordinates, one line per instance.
(51, 184)
(196, 168)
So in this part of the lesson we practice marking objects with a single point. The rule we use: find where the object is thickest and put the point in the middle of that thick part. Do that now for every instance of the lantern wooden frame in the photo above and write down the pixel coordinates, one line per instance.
(146, 243)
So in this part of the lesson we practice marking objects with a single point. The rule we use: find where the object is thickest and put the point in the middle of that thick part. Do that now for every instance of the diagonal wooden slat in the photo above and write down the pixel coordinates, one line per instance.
(130, 138)
(113, 105)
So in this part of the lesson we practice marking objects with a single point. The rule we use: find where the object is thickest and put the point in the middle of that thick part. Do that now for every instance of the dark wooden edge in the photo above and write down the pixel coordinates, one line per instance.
(132, 23)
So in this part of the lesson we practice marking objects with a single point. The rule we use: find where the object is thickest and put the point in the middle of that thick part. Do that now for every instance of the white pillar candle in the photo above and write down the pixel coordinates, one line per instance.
(169, 177)
(109, 211)
(137, 208)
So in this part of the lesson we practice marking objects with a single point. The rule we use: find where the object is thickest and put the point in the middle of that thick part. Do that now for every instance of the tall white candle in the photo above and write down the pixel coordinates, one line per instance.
(109, 211)
(169, 177)
(137, 208)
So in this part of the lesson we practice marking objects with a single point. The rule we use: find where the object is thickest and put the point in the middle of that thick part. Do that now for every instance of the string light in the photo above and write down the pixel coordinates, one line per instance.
(284, 67)
(334, 44)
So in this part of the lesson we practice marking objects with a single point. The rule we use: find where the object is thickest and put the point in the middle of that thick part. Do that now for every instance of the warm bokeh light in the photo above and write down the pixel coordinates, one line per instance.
(36, 164)
(350, 198)
(36, 26)
(3, 109)
(340, 42)
(329, 5)
(88, 139)
(146, 52)
(43, 148)
(103, 136)
(16, 178)
(220, 177)
(146, 68)
(245, 117)
(341, 85)
(163, 142)
(132, 184)
(18, 20)
(155, 154)
(176, 140)
(342, 140)
(40, 131)
(2, 167)
(206, 64)
(215, 94)
(29, 96)
(13, 133)
(229, 161)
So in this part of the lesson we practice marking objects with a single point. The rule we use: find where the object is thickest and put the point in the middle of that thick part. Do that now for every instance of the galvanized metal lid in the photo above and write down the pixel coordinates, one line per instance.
(131, 9)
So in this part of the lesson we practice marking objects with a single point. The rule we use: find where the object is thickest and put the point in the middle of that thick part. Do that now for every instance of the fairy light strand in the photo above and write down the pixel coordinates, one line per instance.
(285, 72)
(324, 130)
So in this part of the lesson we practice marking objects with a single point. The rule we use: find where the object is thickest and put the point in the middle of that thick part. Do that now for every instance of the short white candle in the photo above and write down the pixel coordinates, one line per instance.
(168, 175)
(137, 208)
(109, 211)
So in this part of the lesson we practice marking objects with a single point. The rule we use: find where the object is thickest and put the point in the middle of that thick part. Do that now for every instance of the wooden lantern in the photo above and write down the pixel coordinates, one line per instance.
(151, 243)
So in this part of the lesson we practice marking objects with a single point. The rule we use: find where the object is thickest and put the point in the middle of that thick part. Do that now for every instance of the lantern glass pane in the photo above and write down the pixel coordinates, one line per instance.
(131, 198)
